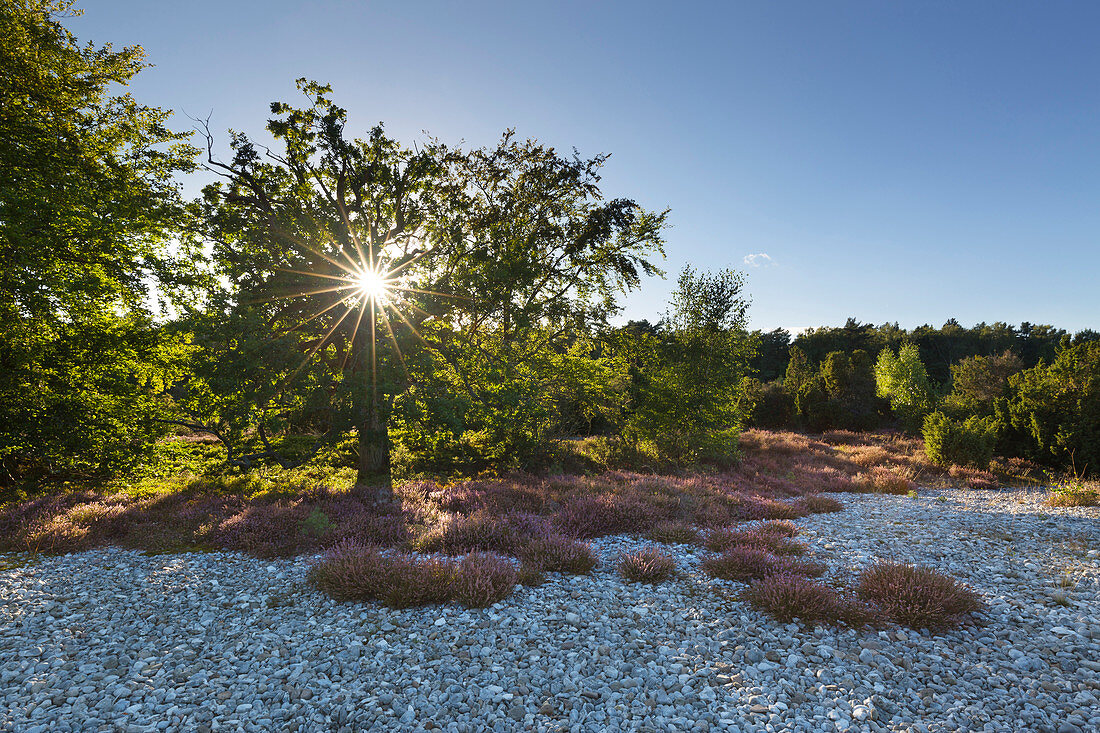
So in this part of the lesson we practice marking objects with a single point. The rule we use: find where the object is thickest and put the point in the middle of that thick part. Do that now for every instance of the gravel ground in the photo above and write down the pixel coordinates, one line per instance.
(119, 640)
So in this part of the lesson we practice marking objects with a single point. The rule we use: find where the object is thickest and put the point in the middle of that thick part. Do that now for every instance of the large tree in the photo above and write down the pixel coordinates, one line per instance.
(390, 263)
(88, 204)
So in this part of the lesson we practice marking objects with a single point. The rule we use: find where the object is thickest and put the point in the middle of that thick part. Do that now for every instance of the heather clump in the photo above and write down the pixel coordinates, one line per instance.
(817, 504)
(557, 553)
(778, 528)
(916, 596)
(768, 539)
(787, 596)
(674, 533)
(481, 579)
(881, 480)
(646, 566)
(747, 562)
(458, 534)
(354, 572)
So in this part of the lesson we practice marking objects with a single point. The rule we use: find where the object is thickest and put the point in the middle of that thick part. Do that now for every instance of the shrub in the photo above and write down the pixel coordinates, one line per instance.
(973, 478)
(558, 554)
(916, 596)
(673, 533)
(881, 480)
(354, 572)
(647, 566)
(1056, 407)
(591, 516)
(779, 528)
(481, 579)
(967, 442)
(787, 597)
(476, 532)
(1073, 493)
(746, 562)
(530, 575)
(770, 540)
(817, 504)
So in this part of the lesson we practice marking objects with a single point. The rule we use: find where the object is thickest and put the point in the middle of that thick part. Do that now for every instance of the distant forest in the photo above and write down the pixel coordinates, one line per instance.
(939, 347)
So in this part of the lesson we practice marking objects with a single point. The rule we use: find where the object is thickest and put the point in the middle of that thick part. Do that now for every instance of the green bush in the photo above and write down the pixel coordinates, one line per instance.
(1058, 408)
(967, 442)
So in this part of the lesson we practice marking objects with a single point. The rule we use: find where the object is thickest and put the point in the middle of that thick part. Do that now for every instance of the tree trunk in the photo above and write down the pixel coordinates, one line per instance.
(373, 479)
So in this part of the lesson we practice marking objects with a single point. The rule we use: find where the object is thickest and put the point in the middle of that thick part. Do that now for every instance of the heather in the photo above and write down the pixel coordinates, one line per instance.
(188, 501)
(917, 596)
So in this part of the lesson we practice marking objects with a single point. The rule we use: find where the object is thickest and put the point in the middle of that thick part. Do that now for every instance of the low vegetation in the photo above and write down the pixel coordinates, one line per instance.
(916, 596)
(646, 566)
(788, 596)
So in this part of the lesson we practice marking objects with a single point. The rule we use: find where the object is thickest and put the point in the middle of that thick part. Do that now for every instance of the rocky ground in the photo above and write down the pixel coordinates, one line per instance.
(118, 640)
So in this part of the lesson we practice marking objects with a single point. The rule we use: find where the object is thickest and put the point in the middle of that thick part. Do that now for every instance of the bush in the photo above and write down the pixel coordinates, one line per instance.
(530, 575)
(647, 566)
(787, 597)
(558, 554)
(916, 596)
(778, 528)
(969, 442)
(882, 480)
(354, 572)
(772, 408)
(817, 504)
(674, 533)
(1073, 493)
(770, 540)
(1057, 407)
(462, 534)
(746, 562)
(481, 579)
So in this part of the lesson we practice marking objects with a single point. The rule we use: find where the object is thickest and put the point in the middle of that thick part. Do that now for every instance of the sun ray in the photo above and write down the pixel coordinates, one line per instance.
(305, 293)
(396, 347)
(312, 352)
(318, 314)
(351, 340)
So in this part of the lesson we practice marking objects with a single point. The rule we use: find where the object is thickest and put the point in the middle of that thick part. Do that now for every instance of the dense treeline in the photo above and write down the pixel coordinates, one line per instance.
(1031, 392)
(420, 309)
(940, 348)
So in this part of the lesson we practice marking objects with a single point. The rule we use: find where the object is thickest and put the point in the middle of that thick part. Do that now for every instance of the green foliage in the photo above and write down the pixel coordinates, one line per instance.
(766, 404)
(687, 379)
(1058, 407)
(87, 203)
(80, 400)
(978, 382)
(968, 442)
(902, 379)
(850, 382)
(502, 261)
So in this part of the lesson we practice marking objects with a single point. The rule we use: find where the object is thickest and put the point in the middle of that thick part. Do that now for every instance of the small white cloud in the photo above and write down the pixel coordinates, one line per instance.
(760, 259)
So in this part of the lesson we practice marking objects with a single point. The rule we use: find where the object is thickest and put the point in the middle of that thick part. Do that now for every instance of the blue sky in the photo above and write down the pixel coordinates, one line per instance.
(907, 162)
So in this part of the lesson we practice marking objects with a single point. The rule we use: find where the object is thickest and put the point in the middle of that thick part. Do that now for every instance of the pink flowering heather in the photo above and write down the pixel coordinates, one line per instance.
(747, 562)
(787, 597)
(557, 553)
(817, 504)
(646, 566)
(671, 532)
(481, 579)
(916, 596)
(724, 539)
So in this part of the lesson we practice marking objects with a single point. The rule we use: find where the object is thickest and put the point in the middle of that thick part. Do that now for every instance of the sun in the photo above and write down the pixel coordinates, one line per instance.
(372, 284)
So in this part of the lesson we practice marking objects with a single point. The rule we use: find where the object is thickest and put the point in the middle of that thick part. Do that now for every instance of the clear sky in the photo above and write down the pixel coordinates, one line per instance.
(890, 161)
